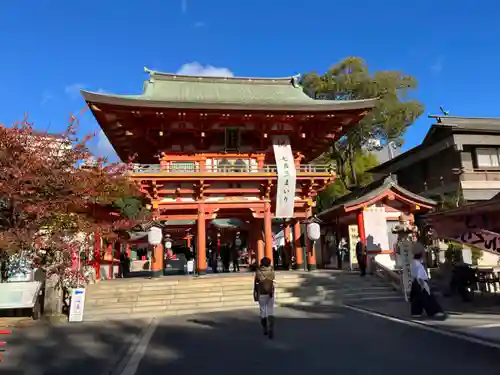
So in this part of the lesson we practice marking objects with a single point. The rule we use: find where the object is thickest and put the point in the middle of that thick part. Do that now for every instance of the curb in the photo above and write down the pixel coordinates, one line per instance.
(430, 327)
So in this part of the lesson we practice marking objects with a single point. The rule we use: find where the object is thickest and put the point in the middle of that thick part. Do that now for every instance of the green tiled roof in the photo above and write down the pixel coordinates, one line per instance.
(181, 91)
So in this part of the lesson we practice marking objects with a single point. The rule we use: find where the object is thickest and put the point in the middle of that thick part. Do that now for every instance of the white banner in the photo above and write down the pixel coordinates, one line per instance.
(287, 176)
(353, 240)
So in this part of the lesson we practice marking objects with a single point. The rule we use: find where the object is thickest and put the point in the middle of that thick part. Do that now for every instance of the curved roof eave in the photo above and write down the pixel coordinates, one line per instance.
(313, 105)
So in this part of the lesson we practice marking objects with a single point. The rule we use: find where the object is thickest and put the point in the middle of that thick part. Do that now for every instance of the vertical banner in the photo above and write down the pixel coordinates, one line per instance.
(287, 176)
(353, 240)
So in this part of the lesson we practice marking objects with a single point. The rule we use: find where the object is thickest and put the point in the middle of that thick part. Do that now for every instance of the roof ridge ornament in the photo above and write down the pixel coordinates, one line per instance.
(295, 81)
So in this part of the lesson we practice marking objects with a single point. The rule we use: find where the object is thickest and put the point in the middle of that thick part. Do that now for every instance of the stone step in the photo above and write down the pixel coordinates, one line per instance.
(149, 312)
(126, 299)
(193, 293)
(160, 305)
(168, 309)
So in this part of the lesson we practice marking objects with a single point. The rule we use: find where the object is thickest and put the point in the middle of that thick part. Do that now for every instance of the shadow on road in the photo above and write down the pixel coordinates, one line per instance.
(308, 339)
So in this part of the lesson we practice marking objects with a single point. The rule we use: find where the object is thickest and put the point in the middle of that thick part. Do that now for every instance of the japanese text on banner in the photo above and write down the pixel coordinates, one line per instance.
(287, 176)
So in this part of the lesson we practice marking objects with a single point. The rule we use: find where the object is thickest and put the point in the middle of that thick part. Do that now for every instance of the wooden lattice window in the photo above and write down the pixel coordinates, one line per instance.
(182, 166)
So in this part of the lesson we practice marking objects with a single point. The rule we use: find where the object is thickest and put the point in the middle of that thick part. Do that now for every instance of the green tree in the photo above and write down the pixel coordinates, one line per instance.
(350, 79)
(362, 161)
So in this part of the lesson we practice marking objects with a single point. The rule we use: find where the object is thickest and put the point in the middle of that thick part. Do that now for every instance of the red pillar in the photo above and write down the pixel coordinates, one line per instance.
(201, 233)
(299, 255)
(311, 249)
(361, 226)
(97, 256)
(259, 245)
(288, 247)
(268, 232)
(157, 261)
(110, 258)
(361, 232)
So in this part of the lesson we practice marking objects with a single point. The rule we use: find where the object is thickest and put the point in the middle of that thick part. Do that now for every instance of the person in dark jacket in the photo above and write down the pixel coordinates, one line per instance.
(263, 293)
(361, 256)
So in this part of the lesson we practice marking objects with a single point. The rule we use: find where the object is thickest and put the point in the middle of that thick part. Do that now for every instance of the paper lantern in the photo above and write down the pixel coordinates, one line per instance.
(155, 236)
(313, 231)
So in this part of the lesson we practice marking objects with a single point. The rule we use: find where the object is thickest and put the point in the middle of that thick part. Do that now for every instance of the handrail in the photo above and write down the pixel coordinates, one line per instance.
(392, 276)
(195, 168)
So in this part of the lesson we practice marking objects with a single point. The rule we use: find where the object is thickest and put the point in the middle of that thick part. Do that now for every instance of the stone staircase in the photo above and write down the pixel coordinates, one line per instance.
(142, 298)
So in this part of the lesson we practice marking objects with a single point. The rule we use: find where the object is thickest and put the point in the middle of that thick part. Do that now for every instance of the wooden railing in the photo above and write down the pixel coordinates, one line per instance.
(195, 168)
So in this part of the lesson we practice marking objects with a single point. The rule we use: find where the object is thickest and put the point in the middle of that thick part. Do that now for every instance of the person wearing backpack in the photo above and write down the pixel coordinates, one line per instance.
(263, 293)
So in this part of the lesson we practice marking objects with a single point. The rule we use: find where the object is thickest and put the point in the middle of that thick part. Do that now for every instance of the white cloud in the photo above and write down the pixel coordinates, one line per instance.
(196, 69)
(184, 6)
(73, 90)
(103, 146)
(437, 66)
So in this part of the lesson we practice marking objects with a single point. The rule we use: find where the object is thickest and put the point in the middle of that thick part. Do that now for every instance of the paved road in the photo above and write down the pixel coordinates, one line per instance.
(343, 341)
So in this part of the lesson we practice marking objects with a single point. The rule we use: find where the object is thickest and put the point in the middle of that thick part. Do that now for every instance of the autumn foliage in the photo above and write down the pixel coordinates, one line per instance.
(51, 188)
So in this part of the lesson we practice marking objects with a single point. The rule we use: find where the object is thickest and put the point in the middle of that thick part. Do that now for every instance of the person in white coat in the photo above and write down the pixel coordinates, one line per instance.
(421, 297)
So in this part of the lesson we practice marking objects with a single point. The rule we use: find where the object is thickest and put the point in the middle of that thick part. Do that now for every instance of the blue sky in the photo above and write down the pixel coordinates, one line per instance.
(51, 48)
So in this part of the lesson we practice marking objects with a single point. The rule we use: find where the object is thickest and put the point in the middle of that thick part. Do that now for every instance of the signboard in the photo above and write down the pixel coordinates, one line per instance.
(287, 176)
(77, 305)
(404, 249)
(480, 238)
(376, 231)
(353, 240)
(19, 295)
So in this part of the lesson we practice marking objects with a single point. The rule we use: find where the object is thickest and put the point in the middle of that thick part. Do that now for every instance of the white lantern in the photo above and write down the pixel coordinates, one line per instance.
(237, 242)
(313, 231)
(155, 236)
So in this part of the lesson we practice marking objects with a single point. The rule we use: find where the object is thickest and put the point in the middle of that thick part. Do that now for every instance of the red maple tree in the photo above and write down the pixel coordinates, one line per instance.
(52, 188)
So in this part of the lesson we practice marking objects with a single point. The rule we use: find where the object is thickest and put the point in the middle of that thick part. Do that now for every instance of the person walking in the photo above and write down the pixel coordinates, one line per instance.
(421, 297)
(235, 258)
(263, 293)
(341, 252)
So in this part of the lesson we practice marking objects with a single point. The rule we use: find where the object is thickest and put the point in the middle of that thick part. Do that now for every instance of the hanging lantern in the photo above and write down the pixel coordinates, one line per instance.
(313, 231)
(155, 236)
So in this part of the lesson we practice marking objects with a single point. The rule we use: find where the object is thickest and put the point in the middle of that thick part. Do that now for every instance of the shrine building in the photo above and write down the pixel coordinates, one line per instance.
(212, 148)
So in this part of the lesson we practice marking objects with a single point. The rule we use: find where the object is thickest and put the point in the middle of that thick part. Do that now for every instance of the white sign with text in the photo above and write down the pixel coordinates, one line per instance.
(287, 176)
(77, 305)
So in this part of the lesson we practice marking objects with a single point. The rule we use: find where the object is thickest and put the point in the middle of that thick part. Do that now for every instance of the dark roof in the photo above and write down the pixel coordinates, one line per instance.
(492, 204)
(364, 194)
